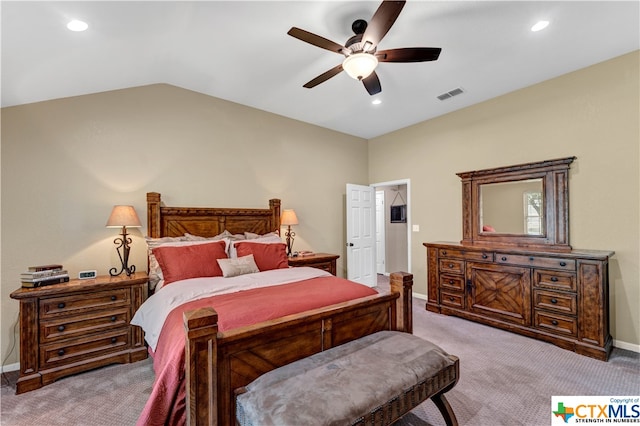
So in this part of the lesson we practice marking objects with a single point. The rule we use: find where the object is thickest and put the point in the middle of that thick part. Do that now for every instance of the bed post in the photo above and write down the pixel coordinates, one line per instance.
(201, 327)
(274, 205)
(402, 282)
(153, 214)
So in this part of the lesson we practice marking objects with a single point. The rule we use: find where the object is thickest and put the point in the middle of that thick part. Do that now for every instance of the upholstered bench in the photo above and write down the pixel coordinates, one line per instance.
(373, 380)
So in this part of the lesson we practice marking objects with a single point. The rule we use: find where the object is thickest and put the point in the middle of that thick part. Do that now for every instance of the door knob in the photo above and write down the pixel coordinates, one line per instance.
(349, 244)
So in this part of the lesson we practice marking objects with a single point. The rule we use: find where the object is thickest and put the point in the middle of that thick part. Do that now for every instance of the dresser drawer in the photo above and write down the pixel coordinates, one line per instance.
(466, 254)
(79, 326)
(536, 261)
(452, 298)
(84, 302)
(452, 266)
(555, 280)
(68, 351)
(452, 282)
(565, 303)
(557, 324)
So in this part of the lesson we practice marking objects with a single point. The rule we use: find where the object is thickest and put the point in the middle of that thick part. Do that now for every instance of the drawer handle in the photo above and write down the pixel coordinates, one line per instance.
(554, 301)
(451, 265)
(532, 258)
(113, 318)
(563, 263)
(60, 352)
(61, 305)
(554, 322)
(444, 252)
(114, 339)
(450, 281)
(451, 299)
(61, 328)
(504, 258)
(554, 279)
(484, 256)
(113, 297)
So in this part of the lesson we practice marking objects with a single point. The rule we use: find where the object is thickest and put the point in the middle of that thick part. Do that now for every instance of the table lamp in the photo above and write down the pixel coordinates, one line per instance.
(287, 219)
(121, 217)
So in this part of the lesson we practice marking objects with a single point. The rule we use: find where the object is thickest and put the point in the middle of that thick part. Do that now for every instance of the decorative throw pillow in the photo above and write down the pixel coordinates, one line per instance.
(266, 238)
(239, 266)
(267, 256)
(190, 261)
(155, 273)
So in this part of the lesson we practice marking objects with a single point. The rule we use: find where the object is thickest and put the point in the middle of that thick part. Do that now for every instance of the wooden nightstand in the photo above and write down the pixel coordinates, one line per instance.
(324, 261)
(77, 326)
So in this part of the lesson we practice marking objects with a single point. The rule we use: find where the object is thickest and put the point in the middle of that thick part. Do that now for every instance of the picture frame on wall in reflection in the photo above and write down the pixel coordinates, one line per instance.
(399, 214)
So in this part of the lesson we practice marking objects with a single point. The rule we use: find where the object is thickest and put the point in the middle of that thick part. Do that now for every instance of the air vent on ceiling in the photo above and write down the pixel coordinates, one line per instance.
(451, 94)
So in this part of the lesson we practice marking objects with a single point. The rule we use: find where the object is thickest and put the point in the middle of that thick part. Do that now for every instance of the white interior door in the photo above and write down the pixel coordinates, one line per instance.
(380, 237)
(361, 231)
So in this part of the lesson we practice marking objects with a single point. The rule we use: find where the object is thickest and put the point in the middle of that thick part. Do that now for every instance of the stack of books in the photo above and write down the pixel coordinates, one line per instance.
(41, 275)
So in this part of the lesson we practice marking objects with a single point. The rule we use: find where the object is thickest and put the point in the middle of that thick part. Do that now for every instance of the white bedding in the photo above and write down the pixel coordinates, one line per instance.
(153, 312)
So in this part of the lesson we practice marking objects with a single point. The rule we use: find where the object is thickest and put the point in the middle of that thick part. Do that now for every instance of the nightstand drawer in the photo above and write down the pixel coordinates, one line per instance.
(84, 302)
(68, 351)
(78, 326)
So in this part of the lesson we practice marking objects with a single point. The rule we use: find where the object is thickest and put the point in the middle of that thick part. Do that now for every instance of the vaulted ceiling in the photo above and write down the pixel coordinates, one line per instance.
(240, 51)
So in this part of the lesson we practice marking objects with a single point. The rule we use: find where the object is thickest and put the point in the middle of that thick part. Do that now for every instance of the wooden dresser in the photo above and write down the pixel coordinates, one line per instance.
(562, 298)
(77, 326)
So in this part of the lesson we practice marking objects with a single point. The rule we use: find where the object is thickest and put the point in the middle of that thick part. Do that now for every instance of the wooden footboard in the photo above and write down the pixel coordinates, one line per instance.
(217, 363)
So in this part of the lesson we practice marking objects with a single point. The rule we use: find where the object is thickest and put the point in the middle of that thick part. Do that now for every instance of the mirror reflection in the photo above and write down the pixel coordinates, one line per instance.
(514, 207)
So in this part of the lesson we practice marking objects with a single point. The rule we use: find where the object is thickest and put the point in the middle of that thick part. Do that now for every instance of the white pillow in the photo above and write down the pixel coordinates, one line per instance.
(238, 266)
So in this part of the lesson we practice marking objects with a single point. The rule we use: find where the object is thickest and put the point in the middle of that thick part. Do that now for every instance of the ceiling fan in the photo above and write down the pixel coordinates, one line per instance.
(360, 51)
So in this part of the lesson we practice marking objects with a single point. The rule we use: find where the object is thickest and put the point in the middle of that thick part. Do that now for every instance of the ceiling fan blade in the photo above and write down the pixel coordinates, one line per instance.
(382, 21)
(409, 54)
(324, 77)
(314, 39)
(372, 84)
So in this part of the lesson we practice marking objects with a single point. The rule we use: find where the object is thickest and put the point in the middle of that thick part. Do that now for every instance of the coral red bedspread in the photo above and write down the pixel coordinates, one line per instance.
(166, 404)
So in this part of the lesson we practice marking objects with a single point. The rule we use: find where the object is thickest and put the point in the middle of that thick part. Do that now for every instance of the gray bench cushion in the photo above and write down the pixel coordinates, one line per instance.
(337, 386)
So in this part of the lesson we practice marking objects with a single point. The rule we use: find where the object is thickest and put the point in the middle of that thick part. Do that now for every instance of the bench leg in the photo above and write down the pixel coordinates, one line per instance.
(445, 409)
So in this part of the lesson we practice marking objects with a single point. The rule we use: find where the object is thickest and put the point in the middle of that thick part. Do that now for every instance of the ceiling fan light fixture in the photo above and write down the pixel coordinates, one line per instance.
(360, 65)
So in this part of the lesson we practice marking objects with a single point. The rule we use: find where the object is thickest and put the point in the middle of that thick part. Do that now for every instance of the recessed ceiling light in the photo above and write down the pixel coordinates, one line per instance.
(77, 25)
(376, 101)
(540, 25)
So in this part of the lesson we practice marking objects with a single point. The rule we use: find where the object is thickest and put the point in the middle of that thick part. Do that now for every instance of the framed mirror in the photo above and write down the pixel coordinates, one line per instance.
(525, 205)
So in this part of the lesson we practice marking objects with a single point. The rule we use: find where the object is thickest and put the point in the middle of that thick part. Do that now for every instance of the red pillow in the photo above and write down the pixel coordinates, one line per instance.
(192, 261)
(267, 256)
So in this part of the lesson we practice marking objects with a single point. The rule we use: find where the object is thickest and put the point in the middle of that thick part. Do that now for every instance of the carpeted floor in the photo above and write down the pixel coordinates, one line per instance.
(505, 379)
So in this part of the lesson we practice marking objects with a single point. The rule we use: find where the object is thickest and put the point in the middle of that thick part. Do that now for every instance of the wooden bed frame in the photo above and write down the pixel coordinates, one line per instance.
(217, 363)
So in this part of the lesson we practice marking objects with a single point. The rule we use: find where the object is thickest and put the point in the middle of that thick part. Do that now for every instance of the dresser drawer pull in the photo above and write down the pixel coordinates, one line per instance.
(451, 265)
(113, 318)
(451, 299)
(113, 297)
(554, 322)
(484, 256)
(114, 339)
(554, 279)
(61, 305)
(444, 253)
(563, 263)
(61, 328)
(450, 281)
(504, 258)
(554, 301)
(60, 352)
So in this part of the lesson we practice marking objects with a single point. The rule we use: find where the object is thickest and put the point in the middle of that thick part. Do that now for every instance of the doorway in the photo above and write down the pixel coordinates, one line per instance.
(393, 223)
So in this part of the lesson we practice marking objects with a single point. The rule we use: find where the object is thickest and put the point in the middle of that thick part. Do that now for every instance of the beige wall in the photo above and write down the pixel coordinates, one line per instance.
(66, 162)
(592, 114)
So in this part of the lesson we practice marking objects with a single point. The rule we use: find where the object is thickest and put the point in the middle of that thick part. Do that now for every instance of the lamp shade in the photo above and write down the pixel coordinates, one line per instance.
(360, 65)
(288, 217)
(123, 216)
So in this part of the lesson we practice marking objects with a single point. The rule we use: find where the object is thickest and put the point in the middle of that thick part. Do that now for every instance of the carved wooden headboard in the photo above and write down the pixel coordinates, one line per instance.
(165, 221)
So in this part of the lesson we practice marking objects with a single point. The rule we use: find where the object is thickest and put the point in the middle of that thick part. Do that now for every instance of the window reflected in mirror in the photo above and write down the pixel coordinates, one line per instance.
(513, 207)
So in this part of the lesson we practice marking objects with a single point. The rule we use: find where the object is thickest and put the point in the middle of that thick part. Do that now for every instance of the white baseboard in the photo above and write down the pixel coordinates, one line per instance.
(419, 296)
(10, 367)
(627, 346)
